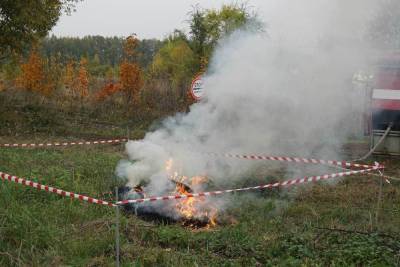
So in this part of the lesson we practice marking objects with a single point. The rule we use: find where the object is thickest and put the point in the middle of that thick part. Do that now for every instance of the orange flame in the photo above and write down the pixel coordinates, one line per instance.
(191, 208)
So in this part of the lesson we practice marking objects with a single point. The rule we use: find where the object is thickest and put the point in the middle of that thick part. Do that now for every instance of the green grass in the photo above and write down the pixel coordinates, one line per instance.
(290, 227)
(38, 228)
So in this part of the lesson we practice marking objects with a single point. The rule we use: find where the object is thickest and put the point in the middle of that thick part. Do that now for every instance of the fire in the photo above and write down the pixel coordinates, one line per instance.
(168, 165)
(191, 209)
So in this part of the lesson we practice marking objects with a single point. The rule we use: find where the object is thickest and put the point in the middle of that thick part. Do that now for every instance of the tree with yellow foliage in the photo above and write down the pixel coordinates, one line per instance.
(175, 63)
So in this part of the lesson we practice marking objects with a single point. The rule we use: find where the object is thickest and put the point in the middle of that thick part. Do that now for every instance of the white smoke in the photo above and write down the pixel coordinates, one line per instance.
(287, 92)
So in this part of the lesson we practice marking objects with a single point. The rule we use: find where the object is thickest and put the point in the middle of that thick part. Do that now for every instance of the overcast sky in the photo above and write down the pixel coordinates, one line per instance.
(146, 18)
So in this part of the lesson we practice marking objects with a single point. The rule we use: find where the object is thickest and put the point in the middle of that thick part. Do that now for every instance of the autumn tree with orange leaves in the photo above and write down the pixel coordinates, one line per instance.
(39, 75)
(108, 90)
(131, 80)
(130, 75)
(32, 75)
(76, 82)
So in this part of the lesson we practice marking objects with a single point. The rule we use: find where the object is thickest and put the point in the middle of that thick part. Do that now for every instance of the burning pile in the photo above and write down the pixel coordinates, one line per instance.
(191, 212)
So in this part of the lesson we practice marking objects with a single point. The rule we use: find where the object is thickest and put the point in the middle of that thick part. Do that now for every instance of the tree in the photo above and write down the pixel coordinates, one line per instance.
(22, 22)
(105, 51)
(108, 90)
(131, 80)
(69, 78)
(53, 74)
(170, 74)
(176, 62)
(83, 79)
(130, 75)
(95, 68)
(39, 75)
(11, 69)
(130, 45)
(32, 73)
(208, 26)
(198, 31)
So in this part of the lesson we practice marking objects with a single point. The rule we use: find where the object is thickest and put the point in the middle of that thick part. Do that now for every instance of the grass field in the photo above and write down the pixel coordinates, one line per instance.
(313, 225)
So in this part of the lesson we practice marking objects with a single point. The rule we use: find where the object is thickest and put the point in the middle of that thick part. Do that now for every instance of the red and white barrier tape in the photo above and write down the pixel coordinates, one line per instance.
(226, 155)
(292, 159)
(78, 143)
(14, 179)
(277, 184)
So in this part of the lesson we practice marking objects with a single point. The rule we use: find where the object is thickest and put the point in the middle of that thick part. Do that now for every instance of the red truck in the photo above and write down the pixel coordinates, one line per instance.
(385, 105)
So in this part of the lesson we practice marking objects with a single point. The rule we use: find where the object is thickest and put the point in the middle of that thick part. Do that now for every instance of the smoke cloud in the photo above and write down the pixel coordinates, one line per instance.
(284, 92)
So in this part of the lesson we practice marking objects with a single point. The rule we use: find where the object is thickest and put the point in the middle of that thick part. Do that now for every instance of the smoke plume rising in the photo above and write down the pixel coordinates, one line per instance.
(285, 92)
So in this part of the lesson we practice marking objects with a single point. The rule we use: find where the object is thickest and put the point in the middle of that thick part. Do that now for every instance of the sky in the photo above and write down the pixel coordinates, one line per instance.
(146, 18)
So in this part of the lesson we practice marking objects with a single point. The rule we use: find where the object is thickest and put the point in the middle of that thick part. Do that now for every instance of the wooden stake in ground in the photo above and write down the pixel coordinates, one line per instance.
(378, 205)
(116, 230)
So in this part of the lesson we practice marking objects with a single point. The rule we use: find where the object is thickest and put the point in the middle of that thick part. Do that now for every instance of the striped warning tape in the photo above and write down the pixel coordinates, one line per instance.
(291, 159)
(277, 184)
(226, 155)
(380, 175)
(77, 143)
(14, 179)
